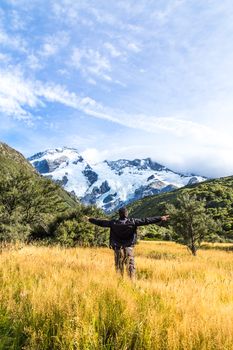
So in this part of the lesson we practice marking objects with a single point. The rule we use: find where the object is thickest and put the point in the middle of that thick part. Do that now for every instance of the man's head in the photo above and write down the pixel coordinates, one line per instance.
(123, 213)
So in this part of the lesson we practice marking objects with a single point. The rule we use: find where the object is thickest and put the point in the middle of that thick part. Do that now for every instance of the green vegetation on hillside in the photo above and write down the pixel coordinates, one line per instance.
(217, 193)
(190, 222)
(33, 207)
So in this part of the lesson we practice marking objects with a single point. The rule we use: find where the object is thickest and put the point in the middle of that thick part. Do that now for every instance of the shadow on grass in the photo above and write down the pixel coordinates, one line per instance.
(161, 255)
(217, 247)
(144, 273)
(11, 333)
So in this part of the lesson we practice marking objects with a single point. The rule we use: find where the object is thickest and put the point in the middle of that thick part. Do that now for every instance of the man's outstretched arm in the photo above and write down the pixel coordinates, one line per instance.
(99, 222)
(151, 220)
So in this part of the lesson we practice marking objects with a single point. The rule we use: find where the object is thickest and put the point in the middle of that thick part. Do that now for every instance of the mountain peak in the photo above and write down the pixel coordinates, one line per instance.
(53, 152)
(111, 183)
(52, 159)
(139, 164)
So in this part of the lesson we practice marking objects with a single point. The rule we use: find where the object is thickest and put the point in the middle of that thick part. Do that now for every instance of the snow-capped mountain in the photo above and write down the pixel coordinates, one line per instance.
(108, 184)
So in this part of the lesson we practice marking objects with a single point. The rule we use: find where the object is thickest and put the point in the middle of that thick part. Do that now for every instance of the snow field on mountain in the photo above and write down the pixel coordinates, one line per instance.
(108, 184)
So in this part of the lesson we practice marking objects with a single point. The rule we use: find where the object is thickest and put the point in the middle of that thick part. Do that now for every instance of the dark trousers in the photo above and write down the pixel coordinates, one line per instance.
(124, 256)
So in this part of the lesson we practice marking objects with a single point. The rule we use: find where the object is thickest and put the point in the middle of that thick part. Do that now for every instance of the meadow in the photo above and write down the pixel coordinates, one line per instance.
(56, 298)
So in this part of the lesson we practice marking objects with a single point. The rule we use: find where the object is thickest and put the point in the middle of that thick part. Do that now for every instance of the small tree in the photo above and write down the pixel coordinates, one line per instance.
(190, 221)
(26, 201)
(70, 228)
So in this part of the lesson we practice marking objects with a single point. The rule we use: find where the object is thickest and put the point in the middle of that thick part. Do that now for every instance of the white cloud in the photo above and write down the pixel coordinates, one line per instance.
(93, 156)
(5, 58)
(49, 49)
(33, 62)
(161, 70)
(112, 50)
(17, 22)
(16, 95)
(91, 81)
(178, 143)
(185, 156)
(163, 16)
(132, 46)
(54, 43)
(14, 42)
(182, 157)
(91, 63)
(66, 11)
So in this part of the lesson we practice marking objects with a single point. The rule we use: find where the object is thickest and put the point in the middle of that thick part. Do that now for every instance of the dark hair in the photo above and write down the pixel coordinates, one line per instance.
(123, 212)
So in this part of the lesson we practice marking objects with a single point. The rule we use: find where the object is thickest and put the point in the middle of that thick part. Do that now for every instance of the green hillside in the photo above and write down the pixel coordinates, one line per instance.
(13, 163)
(218, 194)
(34, 207)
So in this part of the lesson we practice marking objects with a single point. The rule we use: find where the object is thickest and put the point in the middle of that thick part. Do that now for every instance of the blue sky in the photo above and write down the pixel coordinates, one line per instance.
(120, 79)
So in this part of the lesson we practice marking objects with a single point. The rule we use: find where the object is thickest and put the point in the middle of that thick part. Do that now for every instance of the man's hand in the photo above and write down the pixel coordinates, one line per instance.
(165, 218)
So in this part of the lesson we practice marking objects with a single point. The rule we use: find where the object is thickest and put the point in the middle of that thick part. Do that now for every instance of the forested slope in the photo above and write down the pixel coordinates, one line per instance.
(34, 207)
(218, 194)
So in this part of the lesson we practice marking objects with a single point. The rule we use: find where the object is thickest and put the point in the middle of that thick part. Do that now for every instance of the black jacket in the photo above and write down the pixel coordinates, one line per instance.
(123, 232)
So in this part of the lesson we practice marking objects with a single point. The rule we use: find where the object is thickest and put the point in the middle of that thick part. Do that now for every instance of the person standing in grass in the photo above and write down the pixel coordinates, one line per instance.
(123, 236)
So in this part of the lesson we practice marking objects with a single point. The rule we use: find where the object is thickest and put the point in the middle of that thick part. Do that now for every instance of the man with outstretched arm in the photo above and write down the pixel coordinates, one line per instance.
(123, 236)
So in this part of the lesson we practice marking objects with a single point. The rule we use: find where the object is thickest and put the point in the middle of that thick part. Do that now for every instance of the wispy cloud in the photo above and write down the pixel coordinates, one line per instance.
(114, 52)
(17, 21)
(33, 62)
(91, 63)
(12, 41)
(52, 44)
(18, 96)
(158, 72)
(5, 58)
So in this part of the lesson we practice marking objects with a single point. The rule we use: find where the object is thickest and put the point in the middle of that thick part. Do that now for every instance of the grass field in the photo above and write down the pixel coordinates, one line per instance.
(52, 298)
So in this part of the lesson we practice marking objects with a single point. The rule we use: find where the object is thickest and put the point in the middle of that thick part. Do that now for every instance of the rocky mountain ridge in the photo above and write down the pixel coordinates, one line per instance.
(108, 184)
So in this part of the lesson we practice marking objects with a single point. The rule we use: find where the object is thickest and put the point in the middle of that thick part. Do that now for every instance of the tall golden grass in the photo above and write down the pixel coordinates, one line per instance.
(53, 298)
